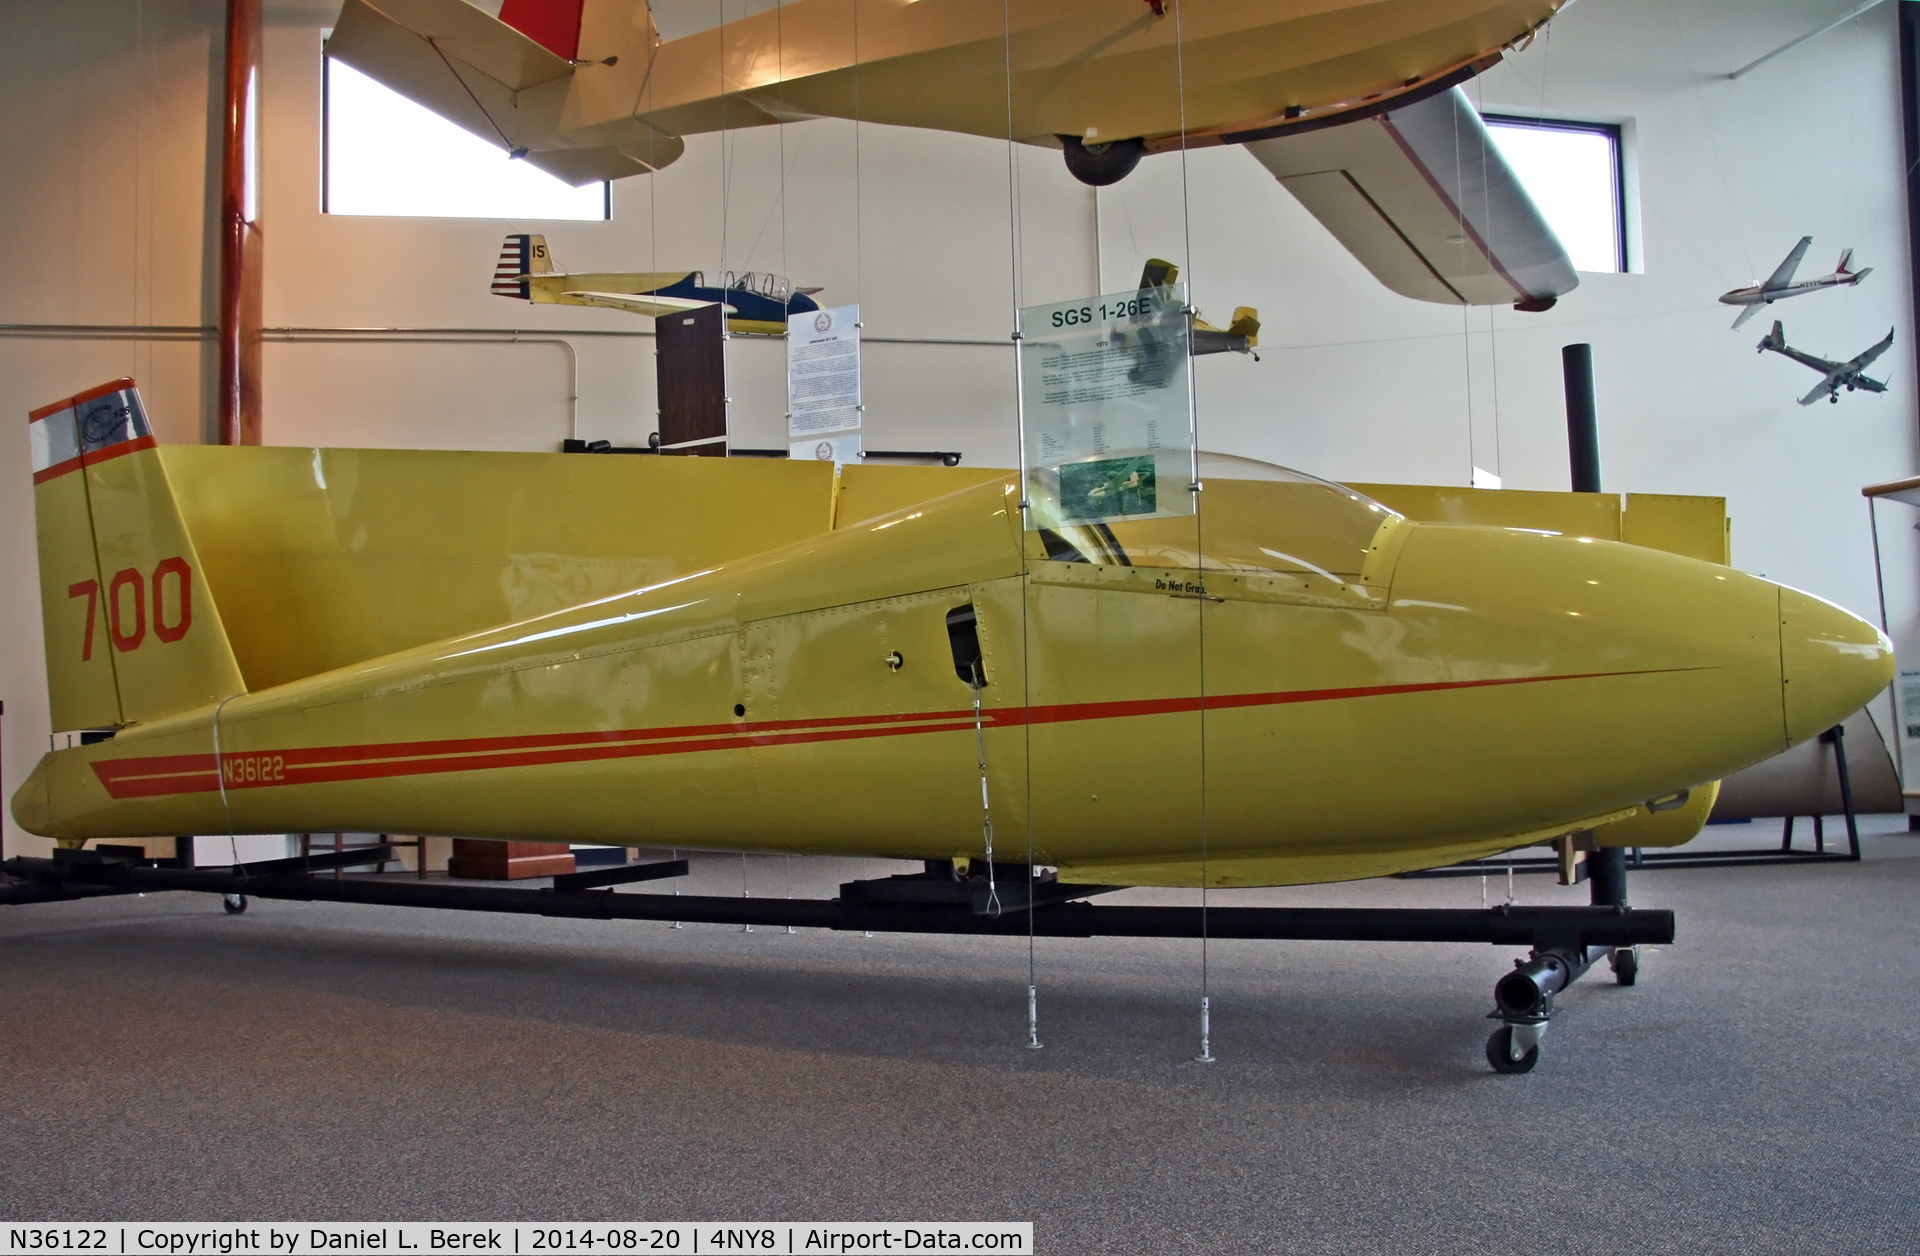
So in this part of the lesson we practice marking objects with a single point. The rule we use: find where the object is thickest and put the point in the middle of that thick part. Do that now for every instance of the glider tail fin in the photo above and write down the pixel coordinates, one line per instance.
(131, 630)
(520, 255)
(1840, 268)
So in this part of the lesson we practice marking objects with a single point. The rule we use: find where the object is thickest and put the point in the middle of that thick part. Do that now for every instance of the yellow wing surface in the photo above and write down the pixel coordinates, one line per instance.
(622, 650)
(1351, 105)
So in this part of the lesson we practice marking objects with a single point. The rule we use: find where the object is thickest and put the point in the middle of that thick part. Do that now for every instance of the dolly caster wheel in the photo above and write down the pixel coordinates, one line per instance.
(1500, 1053)
(234, 903)
(1626, 965)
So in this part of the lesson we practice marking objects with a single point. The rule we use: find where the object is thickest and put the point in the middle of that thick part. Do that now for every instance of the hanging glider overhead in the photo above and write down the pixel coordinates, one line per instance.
(757, 303)
(1422, 197)
(1849, 375)
(1348, 105)
(1780, 284)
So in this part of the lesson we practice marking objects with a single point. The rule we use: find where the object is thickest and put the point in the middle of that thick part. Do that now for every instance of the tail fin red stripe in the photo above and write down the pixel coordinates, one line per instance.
(553, 24)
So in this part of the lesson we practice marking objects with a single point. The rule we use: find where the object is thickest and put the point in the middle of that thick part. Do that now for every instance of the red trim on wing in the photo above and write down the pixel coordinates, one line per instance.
(65, 403)
(134, 446)
(95, 458)
(553, 24)
(57, 470)
(188, 774)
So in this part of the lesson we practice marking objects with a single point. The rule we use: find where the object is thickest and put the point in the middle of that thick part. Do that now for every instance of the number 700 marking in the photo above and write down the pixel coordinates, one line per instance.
(129, 630)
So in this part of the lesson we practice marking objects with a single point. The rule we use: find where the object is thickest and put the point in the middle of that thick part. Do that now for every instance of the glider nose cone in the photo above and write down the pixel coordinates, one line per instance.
(1831, 663)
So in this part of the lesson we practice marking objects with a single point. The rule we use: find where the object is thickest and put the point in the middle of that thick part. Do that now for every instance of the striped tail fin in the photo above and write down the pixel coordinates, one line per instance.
(520, 255)
(132, 633)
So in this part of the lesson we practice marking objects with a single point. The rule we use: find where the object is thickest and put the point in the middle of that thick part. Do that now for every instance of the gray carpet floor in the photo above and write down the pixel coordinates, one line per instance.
(1758, 1091)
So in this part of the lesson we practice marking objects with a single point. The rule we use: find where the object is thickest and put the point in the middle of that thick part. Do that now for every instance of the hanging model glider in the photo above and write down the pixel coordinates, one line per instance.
(1780, 284)
(757, 303)
(1849, 375)
(1353, 107)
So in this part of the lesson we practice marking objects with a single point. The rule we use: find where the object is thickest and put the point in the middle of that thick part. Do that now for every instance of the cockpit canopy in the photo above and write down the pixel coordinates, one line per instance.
(1256, 519)
(759, 282)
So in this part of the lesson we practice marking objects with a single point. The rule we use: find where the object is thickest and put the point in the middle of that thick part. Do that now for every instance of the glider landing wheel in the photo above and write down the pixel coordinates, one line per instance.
(233, 903)
(1500, 1050)
(1626, 965)
(1101, 164)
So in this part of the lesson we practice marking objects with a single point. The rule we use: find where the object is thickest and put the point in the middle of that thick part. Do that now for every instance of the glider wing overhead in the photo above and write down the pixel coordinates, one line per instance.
(1783, 273)
(516, 86)
(1424, 200)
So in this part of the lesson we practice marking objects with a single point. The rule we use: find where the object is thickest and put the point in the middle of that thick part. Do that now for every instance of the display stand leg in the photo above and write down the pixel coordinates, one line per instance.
(1838, 735)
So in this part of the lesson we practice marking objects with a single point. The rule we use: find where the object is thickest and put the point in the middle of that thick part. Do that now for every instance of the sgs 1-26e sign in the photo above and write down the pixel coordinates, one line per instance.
(1107, 310)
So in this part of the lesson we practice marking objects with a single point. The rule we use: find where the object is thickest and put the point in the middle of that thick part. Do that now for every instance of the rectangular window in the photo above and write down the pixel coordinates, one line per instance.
(382, 154)
(1575, 174)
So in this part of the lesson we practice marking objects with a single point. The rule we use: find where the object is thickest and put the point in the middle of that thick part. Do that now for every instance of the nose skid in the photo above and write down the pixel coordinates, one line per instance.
(1831, 664)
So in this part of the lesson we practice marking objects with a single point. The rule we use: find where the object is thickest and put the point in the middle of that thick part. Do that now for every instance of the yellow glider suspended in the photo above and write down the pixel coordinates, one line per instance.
(624, 651)
(1351, 104)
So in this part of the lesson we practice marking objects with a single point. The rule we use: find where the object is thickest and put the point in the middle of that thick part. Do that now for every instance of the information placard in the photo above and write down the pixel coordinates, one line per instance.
(1108, 407)
(823, 384)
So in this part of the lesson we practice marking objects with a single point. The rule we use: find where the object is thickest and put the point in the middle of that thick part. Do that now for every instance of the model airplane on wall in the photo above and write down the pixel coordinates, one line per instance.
(1849, 375)
(1780, 284)
(1241, 335)
(757, 303)
(1352, 107)
(616, 651)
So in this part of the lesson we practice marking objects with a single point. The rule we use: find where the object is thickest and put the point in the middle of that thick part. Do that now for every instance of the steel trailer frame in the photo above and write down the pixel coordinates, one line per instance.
(1563, 941)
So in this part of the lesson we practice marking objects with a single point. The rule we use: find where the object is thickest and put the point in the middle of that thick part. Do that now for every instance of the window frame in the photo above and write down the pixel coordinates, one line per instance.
(1616, 135)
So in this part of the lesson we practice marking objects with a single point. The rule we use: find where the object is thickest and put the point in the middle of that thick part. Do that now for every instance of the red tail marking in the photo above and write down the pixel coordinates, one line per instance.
(553, 24)
(90, 590)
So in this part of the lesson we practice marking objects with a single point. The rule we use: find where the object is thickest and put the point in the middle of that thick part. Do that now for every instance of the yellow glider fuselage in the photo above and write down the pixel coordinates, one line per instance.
(1324, 690)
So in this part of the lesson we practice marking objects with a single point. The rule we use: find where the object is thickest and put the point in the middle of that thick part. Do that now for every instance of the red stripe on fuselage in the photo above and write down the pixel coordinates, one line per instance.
(160, 776)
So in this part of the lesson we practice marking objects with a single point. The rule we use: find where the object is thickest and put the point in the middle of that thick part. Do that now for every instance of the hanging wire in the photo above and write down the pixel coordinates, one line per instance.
(1466, 305)
(859, 273)
(1493, 329)
(1020, 435)
(1713, 143)
(1195, 486)
(859, 246)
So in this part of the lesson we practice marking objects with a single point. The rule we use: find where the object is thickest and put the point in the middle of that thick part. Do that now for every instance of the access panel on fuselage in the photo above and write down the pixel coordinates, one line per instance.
(863, 732)
(1115, 684)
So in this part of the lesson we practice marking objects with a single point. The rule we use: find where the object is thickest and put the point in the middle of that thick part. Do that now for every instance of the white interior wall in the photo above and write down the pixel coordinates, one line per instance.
(109, 186)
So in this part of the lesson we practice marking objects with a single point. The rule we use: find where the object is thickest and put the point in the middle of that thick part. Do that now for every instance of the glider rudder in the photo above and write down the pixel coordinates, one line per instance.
(520, 255)
(131, 630)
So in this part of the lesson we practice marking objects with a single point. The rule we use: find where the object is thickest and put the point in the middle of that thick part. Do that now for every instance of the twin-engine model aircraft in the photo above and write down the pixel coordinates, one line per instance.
(701, 653)
(1849, 375)
(757, 303)
(1780, 284)
(1352, 106)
